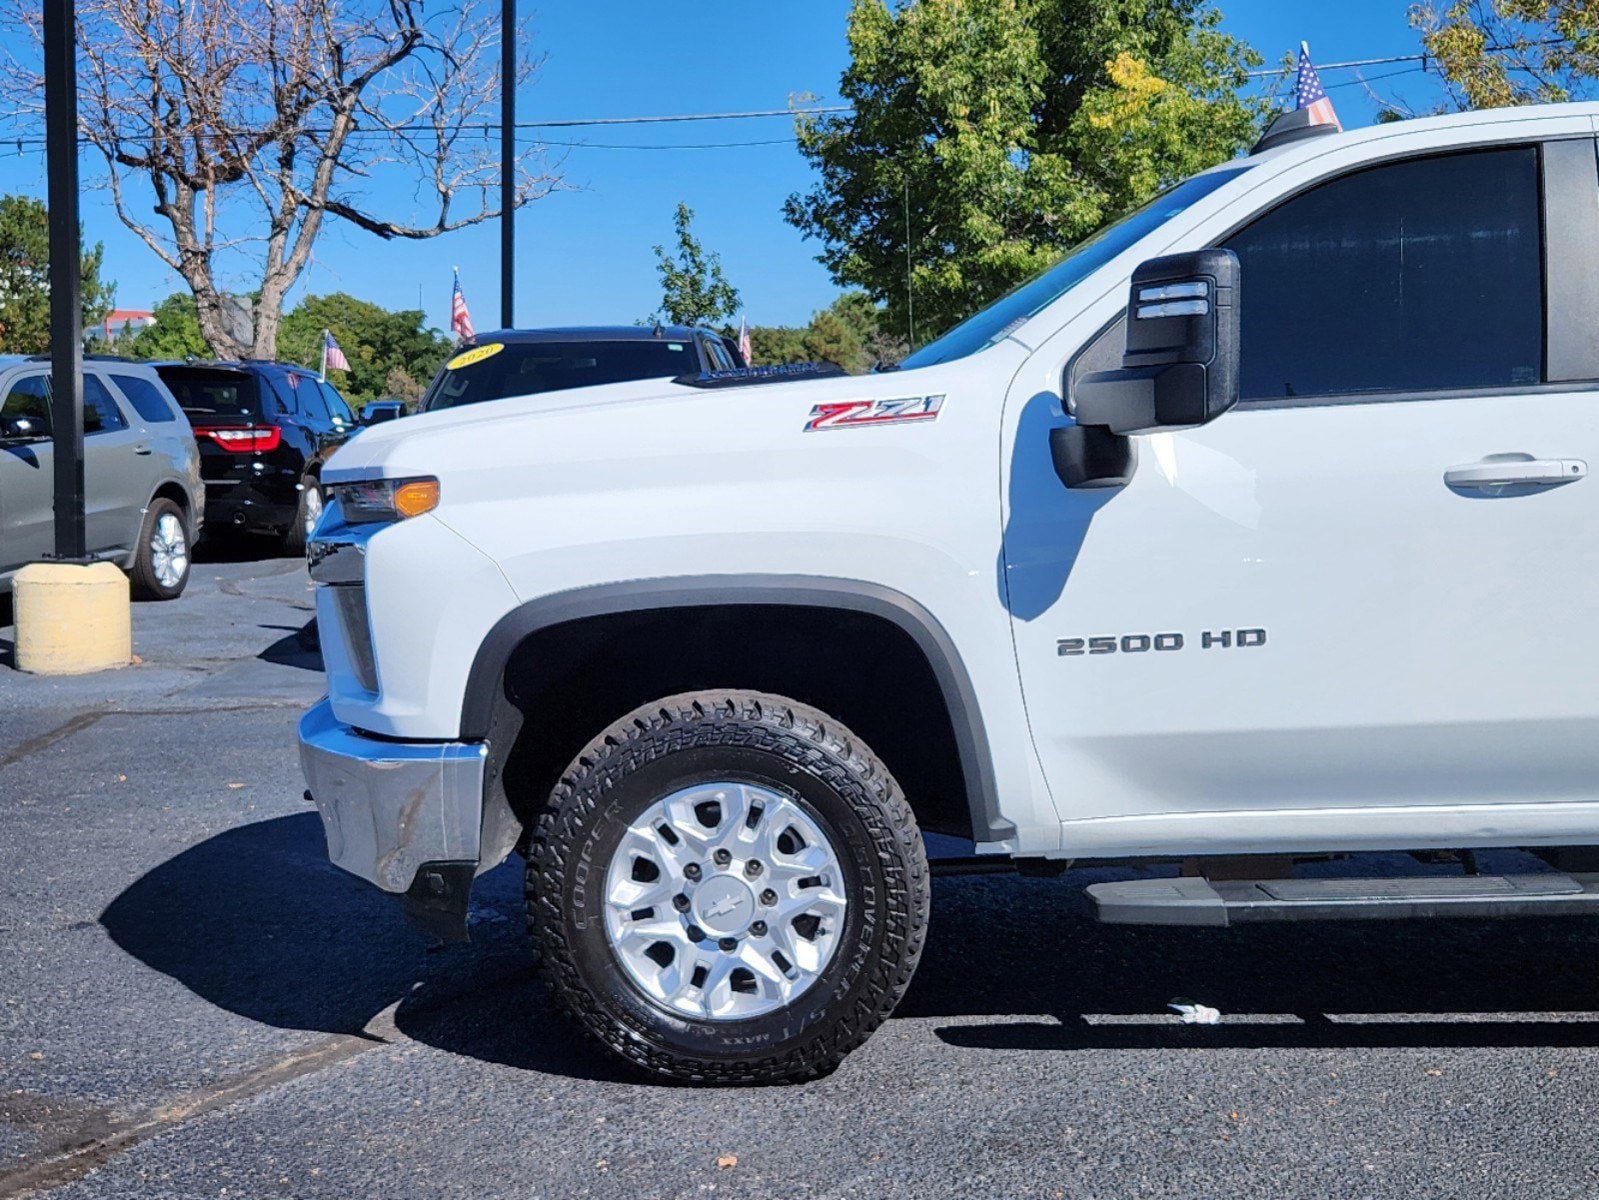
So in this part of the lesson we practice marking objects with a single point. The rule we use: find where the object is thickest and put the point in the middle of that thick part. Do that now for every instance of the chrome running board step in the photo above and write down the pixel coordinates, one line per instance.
(1196, 901)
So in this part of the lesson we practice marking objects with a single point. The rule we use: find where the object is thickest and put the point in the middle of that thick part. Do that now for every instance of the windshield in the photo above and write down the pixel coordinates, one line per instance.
(1032, 297)
(202, 393)
(496, 370)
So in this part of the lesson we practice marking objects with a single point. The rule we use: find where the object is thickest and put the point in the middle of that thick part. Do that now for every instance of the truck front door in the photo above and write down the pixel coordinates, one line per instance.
(1357, 607)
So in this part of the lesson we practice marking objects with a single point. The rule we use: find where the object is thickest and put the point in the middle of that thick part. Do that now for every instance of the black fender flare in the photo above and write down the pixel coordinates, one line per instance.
(483, 688)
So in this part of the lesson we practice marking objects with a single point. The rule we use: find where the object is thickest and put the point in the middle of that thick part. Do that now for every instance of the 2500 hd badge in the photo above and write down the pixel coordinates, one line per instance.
(1138, 643)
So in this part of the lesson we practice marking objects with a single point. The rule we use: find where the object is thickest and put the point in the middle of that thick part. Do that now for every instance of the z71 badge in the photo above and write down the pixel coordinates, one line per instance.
(849, 414)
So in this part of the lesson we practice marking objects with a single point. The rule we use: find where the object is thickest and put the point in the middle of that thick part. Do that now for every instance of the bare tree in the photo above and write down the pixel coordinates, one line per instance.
(248, 123)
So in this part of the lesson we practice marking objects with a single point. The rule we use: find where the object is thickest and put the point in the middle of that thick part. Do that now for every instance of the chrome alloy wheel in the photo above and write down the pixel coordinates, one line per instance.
(312, 506)
(169, 551)
(724, 901)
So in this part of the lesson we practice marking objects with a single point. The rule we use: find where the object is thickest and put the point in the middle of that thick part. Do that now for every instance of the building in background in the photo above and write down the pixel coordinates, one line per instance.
(119, 323)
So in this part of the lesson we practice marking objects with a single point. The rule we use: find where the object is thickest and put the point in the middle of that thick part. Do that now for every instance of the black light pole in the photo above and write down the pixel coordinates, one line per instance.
(507, 163)
(66, 316)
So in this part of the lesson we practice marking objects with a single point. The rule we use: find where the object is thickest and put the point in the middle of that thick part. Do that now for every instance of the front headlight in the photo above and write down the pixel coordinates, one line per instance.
(370, 500)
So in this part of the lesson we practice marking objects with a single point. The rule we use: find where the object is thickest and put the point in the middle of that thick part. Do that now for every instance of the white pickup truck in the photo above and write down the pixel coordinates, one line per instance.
(1257, 526)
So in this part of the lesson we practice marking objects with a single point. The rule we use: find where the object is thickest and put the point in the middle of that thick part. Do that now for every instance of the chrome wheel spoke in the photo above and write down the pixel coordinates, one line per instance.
(169, 551)
(724, 901)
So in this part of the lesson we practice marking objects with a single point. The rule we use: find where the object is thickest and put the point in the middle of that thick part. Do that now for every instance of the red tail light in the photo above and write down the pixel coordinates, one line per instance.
(251, 439)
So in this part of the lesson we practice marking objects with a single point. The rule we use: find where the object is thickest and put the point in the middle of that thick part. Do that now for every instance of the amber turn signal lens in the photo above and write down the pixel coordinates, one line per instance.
(416, 496)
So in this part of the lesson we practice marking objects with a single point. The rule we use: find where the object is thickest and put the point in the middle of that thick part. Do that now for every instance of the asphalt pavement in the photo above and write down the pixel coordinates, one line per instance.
(194, 1003)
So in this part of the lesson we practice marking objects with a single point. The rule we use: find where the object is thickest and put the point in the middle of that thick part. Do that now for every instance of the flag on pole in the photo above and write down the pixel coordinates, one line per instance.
(1309, 94)
(460, 319)
(332, 357)
(744, 341)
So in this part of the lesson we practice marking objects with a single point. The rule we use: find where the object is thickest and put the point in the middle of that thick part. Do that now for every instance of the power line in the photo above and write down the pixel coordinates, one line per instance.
(1423, 59)
(726, 116)
(486, 128)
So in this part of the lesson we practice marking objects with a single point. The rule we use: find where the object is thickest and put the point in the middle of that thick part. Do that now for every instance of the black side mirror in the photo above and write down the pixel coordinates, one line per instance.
(1180, 368)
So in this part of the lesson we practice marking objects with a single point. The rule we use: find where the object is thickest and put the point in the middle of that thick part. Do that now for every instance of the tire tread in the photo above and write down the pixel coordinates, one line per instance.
(811, 740)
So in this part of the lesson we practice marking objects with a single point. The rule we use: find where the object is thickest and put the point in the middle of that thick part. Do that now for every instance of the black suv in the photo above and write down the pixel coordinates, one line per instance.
(522, 362)
(264, 431)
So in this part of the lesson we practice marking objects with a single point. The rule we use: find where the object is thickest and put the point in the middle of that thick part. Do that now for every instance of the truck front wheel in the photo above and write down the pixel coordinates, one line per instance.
(728, 887)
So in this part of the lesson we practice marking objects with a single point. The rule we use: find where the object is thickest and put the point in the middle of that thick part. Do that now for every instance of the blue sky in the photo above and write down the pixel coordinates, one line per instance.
(584, 254)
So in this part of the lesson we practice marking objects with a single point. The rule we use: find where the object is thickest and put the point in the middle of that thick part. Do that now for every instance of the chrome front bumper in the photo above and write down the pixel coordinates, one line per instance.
(391, 808)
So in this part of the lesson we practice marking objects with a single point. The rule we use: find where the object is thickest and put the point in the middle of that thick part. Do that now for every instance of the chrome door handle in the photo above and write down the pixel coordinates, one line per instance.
(142, 448)
(1515, 470)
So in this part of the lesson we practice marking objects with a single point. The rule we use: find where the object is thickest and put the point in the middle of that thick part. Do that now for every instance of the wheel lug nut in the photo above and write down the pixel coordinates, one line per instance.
(753, 867)
(768, 897)
(696, 934)
(758, 928)
(692, 871)
(722, 858)
(728, 944)
(680, 902)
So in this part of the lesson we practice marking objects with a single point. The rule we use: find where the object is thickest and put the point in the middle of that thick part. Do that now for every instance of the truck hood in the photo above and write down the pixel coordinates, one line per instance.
(375, 447)
(652, 416)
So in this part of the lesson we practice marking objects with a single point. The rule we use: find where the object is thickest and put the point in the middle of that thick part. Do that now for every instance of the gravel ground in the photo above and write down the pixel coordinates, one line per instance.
(194, 1003)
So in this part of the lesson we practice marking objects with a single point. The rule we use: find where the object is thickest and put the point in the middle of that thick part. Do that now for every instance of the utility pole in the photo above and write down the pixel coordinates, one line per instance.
(507, 164)
(66, 313)
(910, 290)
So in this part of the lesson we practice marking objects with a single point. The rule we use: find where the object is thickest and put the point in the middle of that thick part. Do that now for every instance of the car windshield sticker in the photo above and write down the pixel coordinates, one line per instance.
(475, 355)
(850, 414)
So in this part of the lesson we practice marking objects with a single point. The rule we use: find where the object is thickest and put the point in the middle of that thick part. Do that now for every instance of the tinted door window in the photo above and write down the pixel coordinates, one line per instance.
(100, 411)
(146, 399)
(336, 405)
(717, 354)
(309, 398)
(25, 413)
(1416, 276)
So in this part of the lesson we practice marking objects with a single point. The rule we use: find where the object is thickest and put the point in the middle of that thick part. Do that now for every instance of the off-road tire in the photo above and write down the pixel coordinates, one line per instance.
(776, 743)
(142, 578)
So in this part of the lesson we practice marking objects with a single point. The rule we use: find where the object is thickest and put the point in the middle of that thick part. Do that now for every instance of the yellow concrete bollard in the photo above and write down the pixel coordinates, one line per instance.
(71, 619)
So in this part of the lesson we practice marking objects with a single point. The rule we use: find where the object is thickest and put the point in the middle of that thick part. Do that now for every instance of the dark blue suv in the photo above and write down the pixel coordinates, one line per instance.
(264, 430)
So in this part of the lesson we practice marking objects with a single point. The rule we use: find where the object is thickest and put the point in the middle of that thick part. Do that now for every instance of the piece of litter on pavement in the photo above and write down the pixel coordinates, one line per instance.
(1191, 1012)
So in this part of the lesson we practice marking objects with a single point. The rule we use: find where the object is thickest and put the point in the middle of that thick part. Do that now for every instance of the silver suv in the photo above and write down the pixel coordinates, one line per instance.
(141, 473)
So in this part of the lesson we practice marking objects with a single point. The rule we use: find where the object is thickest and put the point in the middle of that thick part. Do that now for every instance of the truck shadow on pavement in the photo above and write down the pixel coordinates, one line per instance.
(1395, 984)
(257, 922)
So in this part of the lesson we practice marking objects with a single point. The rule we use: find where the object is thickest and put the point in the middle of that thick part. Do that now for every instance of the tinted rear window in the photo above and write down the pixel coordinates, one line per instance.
(523, 369)
(146, 398)
(203, 394)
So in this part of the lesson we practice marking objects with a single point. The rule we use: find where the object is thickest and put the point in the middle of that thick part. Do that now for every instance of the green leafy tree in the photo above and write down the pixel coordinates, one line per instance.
(1495, 53)
(25, 278)
(694, 290)
(382, 346)
(175, 332)
(848, 332)
(773, 345)
(986, 137)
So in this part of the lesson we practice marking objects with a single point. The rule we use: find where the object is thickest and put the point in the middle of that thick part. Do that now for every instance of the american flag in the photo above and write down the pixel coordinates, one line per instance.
(1308, 92)
(744, 341)
(332, 357)
(460, 319)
